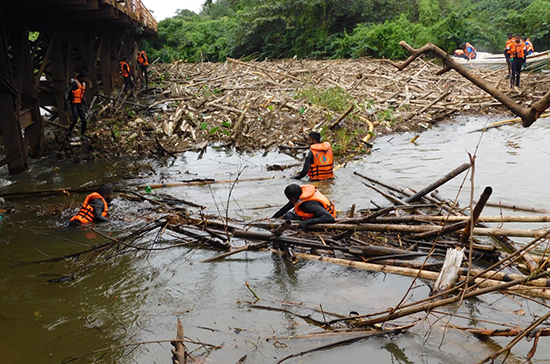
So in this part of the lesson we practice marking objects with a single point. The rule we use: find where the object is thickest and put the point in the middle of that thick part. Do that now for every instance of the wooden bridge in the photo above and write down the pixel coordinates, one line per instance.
(43, 44)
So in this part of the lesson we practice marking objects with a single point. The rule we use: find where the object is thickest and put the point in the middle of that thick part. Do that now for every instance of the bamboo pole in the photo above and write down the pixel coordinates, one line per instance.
(203, 182)
(440, 218)
(452, 174)
(394, 228)
(487, 285)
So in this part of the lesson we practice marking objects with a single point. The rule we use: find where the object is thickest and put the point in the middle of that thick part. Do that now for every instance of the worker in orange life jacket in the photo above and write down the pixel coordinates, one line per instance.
(310, 206)
(516, 49)
(469, 50)
(127, 77)
(143, 65)
(529, 49)
(319, 162)
(507, 53)
(75, 97)
(95, 207)
(460, 54)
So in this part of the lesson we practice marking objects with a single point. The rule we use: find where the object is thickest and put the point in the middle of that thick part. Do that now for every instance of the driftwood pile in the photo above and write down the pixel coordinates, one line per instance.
(411, 236)
(270, 104)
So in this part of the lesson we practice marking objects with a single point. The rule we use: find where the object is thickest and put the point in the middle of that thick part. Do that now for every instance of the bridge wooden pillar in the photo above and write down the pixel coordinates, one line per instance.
(28, 107)
(58, 63)
(105, 63)
(16, 155)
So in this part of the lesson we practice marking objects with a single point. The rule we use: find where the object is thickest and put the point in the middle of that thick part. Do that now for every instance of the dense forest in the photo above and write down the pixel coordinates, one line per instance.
(331, 29)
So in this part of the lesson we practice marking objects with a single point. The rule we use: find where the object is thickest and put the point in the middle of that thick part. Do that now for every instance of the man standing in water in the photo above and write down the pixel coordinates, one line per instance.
(516, 49)
(319, 162)
(95, 207)
(74, 96)
(310, 206)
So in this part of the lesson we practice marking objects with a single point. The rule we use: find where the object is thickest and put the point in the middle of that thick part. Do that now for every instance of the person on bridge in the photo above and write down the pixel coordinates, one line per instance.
(127, 77)
(143, 65)
(469, 50)
(319, 162)
(74, 96)
(95, 207)
(310, 206)
(517, 52)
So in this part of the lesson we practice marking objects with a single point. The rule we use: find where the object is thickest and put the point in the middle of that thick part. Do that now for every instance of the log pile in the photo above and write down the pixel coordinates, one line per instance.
(273, 104)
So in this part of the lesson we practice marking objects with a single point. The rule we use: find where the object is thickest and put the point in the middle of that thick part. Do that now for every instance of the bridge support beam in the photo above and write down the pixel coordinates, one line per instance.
(14, 146)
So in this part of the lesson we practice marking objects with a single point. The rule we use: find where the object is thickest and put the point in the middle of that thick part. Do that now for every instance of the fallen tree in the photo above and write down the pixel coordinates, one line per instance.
(528, 115)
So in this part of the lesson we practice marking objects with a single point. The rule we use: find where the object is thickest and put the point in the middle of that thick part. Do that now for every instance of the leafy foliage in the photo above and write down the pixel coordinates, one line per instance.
(339, 29)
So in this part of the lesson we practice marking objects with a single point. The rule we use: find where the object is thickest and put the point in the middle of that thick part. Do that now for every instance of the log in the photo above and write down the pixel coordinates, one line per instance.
(179, 355)
(342, 117)
(475, 215)
(449, 272)
(507, 332)
(486, 285)
(455, 172)
(528, 115)
(236, 251)
(203, 182)
(394, 228)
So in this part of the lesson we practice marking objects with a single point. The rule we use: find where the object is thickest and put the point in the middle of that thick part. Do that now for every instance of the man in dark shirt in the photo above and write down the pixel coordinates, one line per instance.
(319, 164)
(310, 206)
(95, 207)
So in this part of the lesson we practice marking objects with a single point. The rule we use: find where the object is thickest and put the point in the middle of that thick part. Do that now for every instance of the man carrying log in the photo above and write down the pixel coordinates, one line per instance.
(319, 163)
(95, 207)
(310, 206)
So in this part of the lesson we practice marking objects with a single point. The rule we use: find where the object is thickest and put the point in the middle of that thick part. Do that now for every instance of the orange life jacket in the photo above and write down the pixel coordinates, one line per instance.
(86, 213)
(142, 59)
(471, 54)
(310, 193)
(517, 50)
(323, 162)
(459, 53)
(529, 49)
(78, 94)
(125, 68)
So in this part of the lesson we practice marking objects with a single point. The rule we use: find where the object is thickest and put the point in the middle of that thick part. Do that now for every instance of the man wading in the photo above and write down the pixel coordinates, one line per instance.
(310, 206)
(319, 163)
(95, 207)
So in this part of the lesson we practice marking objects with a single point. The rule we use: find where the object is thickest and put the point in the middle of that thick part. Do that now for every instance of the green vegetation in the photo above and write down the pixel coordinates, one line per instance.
(326, 29)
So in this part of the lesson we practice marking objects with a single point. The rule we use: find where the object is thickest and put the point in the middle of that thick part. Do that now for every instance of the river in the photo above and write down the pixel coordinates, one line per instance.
(136, 298)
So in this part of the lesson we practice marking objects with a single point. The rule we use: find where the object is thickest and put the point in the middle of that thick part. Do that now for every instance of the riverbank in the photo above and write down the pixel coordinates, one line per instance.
(262, 106)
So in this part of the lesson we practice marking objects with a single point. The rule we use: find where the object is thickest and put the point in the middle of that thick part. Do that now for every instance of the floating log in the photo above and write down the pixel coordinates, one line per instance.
(389, 228)
(450, 271)
(486, 285)
(475, 215)
(179, 355)
(455, 172)
(203, 182)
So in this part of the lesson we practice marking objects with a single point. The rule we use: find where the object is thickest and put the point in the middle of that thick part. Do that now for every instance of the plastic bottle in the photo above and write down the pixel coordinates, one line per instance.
(148, 189)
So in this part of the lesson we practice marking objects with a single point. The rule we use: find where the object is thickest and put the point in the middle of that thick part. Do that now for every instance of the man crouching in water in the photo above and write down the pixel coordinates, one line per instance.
(310, 206)
(95, 207)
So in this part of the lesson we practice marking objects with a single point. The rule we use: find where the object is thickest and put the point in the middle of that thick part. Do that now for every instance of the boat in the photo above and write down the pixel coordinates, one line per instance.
(536, 62)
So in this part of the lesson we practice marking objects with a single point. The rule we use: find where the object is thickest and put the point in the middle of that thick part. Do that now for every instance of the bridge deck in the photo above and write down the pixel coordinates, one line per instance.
(90, 13)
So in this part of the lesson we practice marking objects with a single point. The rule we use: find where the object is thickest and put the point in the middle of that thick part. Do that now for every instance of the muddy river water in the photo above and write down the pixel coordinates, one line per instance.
(137, 298)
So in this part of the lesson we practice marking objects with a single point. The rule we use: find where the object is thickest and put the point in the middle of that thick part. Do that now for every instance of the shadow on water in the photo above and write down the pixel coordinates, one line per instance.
(115, 300)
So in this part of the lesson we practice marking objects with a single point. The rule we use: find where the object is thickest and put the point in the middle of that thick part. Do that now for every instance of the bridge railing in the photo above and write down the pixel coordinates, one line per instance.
(137, 11)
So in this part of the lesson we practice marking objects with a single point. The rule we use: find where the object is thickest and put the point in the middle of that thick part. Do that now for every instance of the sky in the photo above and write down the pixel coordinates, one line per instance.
(162, 9)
